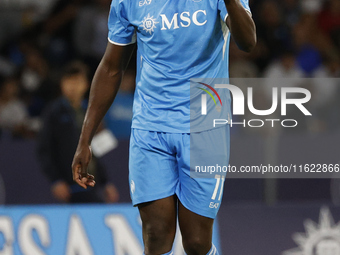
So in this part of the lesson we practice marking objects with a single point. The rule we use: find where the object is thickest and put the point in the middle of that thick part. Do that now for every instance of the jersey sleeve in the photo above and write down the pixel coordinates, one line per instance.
(223, 10)
(121, 31)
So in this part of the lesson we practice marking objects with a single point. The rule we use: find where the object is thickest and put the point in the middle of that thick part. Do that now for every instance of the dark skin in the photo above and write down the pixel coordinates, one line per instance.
(241, 25)
(158, 217)
(104, 88)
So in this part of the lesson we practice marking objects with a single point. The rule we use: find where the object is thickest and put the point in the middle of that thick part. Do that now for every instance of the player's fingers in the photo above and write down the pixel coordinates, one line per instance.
(77, 176)
(87, 180)
(75, 171)
(91, 183)
(90, 177)
(80, 183)
(83, 170)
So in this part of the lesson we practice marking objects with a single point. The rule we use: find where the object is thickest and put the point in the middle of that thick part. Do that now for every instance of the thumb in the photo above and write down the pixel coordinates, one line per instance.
(78, 175)
(83, 170)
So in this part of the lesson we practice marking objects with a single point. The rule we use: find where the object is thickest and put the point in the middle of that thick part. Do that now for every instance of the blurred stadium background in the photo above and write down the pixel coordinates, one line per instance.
(296, 39)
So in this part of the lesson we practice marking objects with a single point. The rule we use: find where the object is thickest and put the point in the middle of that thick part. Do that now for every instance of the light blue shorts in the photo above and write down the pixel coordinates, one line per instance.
(188, 165)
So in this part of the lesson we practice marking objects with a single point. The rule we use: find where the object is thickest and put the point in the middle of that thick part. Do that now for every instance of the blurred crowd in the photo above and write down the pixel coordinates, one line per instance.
(296, 39)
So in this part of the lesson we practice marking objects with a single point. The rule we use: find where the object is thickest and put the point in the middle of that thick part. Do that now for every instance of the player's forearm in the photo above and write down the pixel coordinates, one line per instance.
(104, 88)
(241, 25)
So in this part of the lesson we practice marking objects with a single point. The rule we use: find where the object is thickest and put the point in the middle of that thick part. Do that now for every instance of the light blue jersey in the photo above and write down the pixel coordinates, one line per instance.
(177, 40)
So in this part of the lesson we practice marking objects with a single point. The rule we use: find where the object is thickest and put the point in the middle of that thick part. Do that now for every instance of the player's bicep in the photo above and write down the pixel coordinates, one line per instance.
(245, 4)
(227, 20)
(224, 13)
(116, 57)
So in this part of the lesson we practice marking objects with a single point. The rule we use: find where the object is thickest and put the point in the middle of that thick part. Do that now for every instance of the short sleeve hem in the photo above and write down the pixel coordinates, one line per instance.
(116, 42)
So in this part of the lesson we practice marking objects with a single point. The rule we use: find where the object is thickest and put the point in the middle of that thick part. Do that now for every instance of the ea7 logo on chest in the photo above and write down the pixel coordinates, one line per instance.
(184, 20)
(144, 2)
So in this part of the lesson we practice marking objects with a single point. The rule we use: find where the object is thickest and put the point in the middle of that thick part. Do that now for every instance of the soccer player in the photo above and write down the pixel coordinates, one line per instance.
(177, 40)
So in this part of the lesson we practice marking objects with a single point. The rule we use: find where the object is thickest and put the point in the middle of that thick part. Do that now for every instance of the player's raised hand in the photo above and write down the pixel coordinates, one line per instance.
(80, 163)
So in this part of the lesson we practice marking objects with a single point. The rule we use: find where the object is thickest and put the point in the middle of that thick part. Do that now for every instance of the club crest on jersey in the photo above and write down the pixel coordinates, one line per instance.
(149, 24)
(144, 2)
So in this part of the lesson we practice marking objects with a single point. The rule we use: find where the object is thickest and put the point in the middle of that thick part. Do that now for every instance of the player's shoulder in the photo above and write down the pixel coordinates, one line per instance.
(116, 3)
(123, 6)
